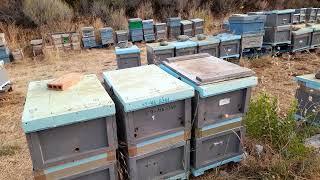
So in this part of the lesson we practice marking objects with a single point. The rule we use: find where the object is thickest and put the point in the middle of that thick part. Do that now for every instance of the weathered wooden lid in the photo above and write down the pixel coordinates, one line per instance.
(146, 86)
(205, 69)
(45, 109)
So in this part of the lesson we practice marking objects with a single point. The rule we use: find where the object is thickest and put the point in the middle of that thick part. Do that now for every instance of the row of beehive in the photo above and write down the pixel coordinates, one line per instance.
(165, 127)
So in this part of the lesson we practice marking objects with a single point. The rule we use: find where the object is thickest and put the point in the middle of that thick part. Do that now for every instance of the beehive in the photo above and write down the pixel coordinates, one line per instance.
(279, 17)
(303, 12)
(208, 45)
(17, 54)
(197, 26)
(308, 96)
(66, 41)
(154, 116)
(106, 35)
(148, 30)
(296, 16)
(277, 35)
(57, 41)
(315, 40)
(186, 28)
(301, 39)
(135, 29)
(37, 46)
(246, 24)
(122, 36)
(318, 15)
(173, 27)
(223, 92)
(128, 57)
(62, 127)
(185, 47)
(311, 14)
(89, 42)
(229, 45)
(158, 52)
(252, 40)
(88, 31)
(160, 31)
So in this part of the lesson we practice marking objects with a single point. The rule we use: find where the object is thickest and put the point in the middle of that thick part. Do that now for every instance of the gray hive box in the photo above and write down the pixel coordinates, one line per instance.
(186, 28)
(128, 57)
(311, 14)
(279, 17)
(186, 47)
(315, 40)
(308, 96)
(254, 40)
(277, 35)
(197, 26)
(65, 126)
(301, 39)
(223, 92)
(122, 36)
(154, 116)
(303, 12)
(208, 45)
(156, 52)
(230, 45)
(106, 35)
(87, 31)
(296, 16)
(160, 31)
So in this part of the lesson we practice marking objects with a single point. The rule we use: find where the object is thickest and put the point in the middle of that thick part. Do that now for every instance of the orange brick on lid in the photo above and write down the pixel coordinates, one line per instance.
(64, 82)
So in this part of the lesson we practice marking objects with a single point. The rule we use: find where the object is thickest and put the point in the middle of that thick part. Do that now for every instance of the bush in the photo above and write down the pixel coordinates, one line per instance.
(263, 123)
(47, 11)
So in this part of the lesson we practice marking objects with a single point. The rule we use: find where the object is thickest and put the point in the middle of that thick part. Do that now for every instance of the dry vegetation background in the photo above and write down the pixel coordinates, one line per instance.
(23, 20)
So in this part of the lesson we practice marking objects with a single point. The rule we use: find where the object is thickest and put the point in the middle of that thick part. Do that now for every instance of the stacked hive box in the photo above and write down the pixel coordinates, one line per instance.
(71, 134)
(37, 46)
(66, 41)
(318, 15)
(154, 118)
(88, 37)
(57, 41)
(296, 16)
(106, 35)
(122, 36)
(251, 28)
(128, 56)
(75, 41)
(207, 44)
(160, 31)
(301, 39)
(308, 96)
(186, 28)
(222, 96)
(230, 45)
(311, 14)
(158, 52)
(278, 28)
(135, 29)
(184, 46)
(148, 31)
(303, 12)
(4, 50)
(173, 27)
(315, 40)
(197, 26)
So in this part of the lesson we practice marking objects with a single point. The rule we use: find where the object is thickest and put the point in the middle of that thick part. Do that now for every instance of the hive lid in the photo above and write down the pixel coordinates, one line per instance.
(309, 80)
(245, 17)
(301, 31)
(129, 50)
(208, 41)
(284, 11)
(209, 75)
(196, 20)
(228, 37)
(146, 86)
(186, 22)
(135, 20)
(157, 46)
(46, 109)
(184, 44)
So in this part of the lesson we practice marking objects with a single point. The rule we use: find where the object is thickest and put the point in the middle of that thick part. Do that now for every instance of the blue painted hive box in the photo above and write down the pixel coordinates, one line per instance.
(158, 52)
(230, 45)
(246, 24)
(207, 44)
(154, 116)
(128, 57)
(66, 126)
(186, 47)
(222, 97)
(308, 97)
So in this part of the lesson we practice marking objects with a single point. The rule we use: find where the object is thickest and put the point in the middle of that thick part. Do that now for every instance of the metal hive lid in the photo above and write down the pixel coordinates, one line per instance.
(202, 69)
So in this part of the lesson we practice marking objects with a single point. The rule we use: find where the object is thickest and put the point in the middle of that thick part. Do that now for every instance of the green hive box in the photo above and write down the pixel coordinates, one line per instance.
(67, 126)
(135, 23)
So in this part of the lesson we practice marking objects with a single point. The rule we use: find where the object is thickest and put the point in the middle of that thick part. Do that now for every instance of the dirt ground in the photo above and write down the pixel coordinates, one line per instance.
(275, 77)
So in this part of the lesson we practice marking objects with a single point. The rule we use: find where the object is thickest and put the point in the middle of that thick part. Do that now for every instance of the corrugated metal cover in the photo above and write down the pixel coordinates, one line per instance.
(129, 50)
(205, 69)
(146, 86)
(84, 101)
(309, 80)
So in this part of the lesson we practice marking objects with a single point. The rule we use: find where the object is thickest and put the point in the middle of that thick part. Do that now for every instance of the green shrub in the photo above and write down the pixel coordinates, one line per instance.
(263, 123)
(47, 11)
